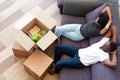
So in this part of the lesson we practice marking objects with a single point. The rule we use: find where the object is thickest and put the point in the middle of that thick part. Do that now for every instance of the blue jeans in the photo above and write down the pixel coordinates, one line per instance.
(70, 31)
(73, 62)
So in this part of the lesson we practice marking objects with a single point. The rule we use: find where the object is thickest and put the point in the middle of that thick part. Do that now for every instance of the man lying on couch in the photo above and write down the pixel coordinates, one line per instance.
(81, 58)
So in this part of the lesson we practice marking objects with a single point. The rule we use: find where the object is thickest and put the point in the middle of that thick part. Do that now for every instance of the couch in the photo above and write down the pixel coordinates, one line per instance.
(82, 11)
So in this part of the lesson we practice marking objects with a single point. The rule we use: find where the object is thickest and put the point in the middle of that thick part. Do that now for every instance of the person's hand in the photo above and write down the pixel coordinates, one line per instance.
(114, 52)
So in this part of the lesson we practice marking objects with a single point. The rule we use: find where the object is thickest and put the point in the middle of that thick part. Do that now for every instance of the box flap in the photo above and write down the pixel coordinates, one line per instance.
(47, 40)
(24, 41)
(44, 18)
(26, 19)
(17, 46)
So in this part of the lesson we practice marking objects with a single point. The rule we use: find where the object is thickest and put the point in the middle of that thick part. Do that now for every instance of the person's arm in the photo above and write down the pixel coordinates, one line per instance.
(114, 33)
(112, 63)
(107, 10)
(106, 36)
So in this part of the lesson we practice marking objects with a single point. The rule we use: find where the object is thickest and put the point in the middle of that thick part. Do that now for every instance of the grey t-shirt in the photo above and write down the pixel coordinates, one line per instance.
(90, 29)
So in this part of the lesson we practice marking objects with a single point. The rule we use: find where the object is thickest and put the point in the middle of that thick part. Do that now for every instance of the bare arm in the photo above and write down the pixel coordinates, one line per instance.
(107, 10)
(112, 63)
(112, 33)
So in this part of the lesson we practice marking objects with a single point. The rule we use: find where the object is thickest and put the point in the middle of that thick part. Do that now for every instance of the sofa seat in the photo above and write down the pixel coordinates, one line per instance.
(79, 44)
(75, 74)
(68, 19)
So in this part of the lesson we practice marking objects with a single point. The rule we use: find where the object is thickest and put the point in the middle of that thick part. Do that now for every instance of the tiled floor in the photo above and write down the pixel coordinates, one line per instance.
(1, 47)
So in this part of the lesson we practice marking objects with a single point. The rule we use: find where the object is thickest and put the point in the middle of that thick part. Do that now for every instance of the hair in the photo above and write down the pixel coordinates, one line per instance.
(103, 20)
(113, 46)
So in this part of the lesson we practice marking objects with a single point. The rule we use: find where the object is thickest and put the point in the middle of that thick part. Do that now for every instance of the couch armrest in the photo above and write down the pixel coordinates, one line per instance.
(60, 5)
(80, 7)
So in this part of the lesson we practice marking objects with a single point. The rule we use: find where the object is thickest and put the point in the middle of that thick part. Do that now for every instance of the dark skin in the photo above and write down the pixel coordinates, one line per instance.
(106, 47)
(111, 33)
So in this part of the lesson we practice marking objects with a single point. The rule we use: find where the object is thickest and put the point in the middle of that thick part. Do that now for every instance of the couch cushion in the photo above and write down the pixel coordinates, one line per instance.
(118, 75)
(80, 7)
(102, 72)
(75, 74)
(118, 39)
(118, 64)
(79, 44)
(94, 39)
(118, 59)
(68, 19)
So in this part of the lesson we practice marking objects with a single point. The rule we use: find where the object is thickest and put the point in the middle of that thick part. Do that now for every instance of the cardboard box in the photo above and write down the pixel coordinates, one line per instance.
(25, 40)
(38, 64)
(19, 51)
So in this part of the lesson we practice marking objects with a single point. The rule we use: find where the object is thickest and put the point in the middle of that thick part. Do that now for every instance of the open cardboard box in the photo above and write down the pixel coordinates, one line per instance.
(25, 40)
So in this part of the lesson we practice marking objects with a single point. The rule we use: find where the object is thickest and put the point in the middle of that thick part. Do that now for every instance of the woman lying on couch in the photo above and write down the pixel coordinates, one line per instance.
(81, 58)
(77, 32)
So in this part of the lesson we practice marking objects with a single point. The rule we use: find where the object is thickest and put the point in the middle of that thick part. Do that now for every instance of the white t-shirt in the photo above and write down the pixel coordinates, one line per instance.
(93, 53)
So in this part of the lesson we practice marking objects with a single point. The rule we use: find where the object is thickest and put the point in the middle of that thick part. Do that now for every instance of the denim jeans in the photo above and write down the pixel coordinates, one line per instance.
(70, 31)
(73, 62)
